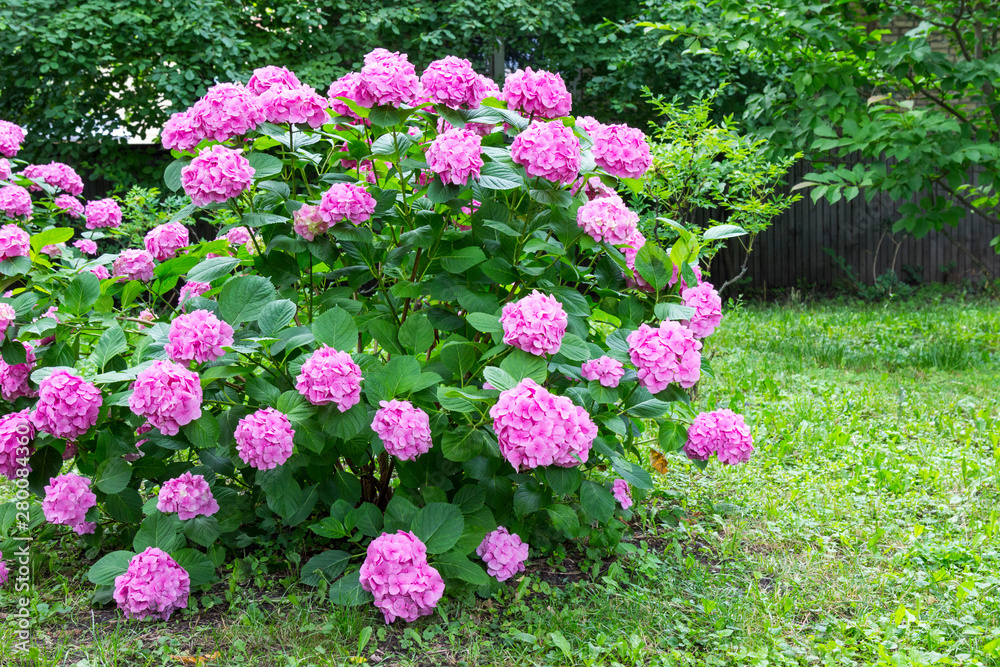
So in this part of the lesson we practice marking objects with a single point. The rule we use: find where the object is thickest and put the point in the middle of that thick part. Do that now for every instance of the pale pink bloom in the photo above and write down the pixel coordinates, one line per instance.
(168, 395)
(535, 323)
(548, 150)
(294, 105)
(58, 175)
(605, 370)
(346, 201)
(198, 336)
(68, 406)
(622, 493)
(537, 93)
(188, 495)
(622, 151)
(707, 306)
(270, 77)
(397, 573)
(134, 265)
(504, 553)
(330, 376)
(664, 355)
(308, 222)
(16, 432)
(11, 137)
(163, 241)
(86, 246)
(455, 156)
(404, 429)
(216, 174)
(227, 110)
(102, 213)
(607, 219)
(15, 201)
(68, 498)
(14, 379)
(153, 585)
(723, 433)
(389, 78)
(264, 439)
(452, 82)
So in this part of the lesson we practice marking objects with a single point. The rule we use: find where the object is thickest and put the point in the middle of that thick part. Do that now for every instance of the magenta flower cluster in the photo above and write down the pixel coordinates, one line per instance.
(350, 86)
(14, 377)
(4, 572)
(11, 137)
(308, 222)
(168, 395)
(56, 174)
(15, 201)
(536, 428)
(14, 242)
(227, 110)
(296, 105)
(605, 370)
(722, 433)
(100, 271)
(153, 585)
(504, 553)
(216, 174)
(102, 213)
(7, 317)
(192, 288)
(67, 500)
(237, 236)
(67, 405)
(548, 150)
(707, 306)
(389, 78)
(397, 573)
(272, 76)
(538, 94)
(330, 376)
(455, 156)
(264, 439)
(16, 431)
(622, 151)
(71, 205)
(608, 219)
(346, 201)
(453, 82)
(86, 246)
(163, 241)
(665, 354)
(622, 493)
(134, 265)
(198, 336)
(5, 170)
(404, 429)
(188, 495)
(535, 323)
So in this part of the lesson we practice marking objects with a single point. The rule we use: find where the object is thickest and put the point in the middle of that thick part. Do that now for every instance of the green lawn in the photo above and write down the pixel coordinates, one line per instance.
(863, 532)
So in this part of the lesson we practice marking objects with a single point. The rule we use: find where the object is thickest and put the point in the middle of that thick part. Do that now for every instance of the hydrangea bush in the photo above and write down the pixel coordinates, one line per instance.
(433, 335)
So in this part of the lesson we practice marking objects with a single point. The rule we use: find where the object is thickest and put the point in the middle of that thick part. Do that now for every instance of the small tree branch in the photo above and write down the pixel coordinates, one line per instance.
(968, 253)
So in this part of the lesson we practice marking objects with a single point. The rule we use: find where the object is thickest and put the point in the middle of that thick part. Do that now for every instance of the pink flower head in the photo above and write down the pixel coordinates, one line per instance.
(452, 82)
(622, 493)
(536, 428)
(16, 433)
(147, 316)
(346, 201)
(168, 395)
(134, 265)
(7, 317)
(14, 241)
(330, 376)
(237, 236)
(14, 378)
(605, 370)
(53, 250)
(5, 171)
(270, 77)
(397, 573)
(100, 271)
(404, 429)
(11, 137)
(102, 213)
(153, 585)
(535, 323)
(666, 354)
(590, 125)
(188, 495)
(56, 174)
(707, 306)
(67, 499)
(86, 246)
(198, 336)
(216, 174)
(723, 433)
(227, 110)
(350, 86)
(678, 276)
(294, 105)
(504, 553)
(622, 151)
(72, 207)
(593, 188)
(541, 94)
(163, 241)
(548, 150)
(4, 572)
(607, 219)
(183, 131)
(389, 78)
(67, 405)
(192, 288)
(264, 439)
(455, 156)
(308, 222)
(15, 201)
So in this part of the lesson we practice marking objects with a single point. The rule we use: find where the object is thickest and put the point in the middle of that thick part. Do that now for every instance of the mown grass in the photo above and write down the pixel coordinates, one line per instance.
(863, 532)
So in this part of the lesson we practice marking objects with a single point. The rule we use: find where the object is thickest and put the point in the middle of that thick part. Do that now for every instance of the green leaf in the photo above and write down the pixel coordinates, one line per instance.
(440, 193)
(499, 378)
(199, 566)
(601, 394)
(573, 348)
(395, 379)
(214, 267)
(336, 328)
(124, 506)
(520, 364)
(264, 165)
(673, 435)
(564, 519)
(723, 232)
(111, 343)
(462, 259)
(462, 444)
(497, 176)
(13, 352)
(388, 115)
(203, 530)
(81, 293)
(439, 525)
(159, 530)
(326, 566)
(294, 406)
(563, 480)
(204, 432)
(399, 514)
(347, 591)
(485, 323)
(633, 474)
(113, 475)
(132, 289)
(454, 565)
(649, 408)
(276, 316)
(673, 311)
(655, 267)
(367, 519)
(50, 237)
(104, 571)
(16, 266)
(416, 334)
(244, 298)
(172, 174)
(597, 501)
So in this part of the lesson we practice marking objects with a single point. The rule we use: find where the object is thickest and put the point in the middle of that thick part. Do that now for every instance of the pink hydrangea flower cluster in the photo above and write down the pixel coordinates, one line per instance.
(67, 405)
(146, 316)
(14, 242)
(67, 499)
(537, 428)
(134, 265)
(535, 323)
(70, 205)
(389, 78)
(541, 94)
(346, 201)
(4, 572)
(5, 170)
(168, 395)
(721, 432)
(53, 250)
(590, 125)
(14, 379)
(11, 137)
(397, 573)
(15, 201)
(7, 317)
(622, 151)
(665, 354)
(605, 370)
(622, 493)
(264, 439)
(237, 236)
(226, 111)
(192, 288)
(272, 76)
(330, 376)
(188, 495)
(163, 241)
(16, 431)
(592, 187)
(351, 86)
(216, 174)
(294, 105)
(56, 174)
(100, 271)
(707, 306)
(153, 585)
(455, 156)
(503, 553)
(452, 82)
(405, 430)
(86, 246)
(607, 219)
(548, 150)
(198, 336)
(102, 213)
(308, 222)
